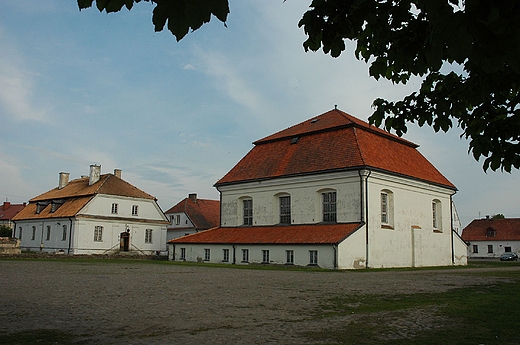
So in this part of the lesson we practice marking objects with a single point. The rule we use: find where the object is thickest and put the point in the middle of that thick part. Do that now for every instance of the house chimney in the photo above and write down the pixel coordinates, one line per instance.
(117, 173)
(95, 172)
(6, 205)
(193, 197)
(64, 180)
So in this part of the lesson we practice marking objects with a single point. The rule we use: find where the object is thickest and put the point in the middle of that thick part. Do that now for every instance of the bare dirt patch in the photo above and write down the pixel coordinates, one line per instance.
(135, 302)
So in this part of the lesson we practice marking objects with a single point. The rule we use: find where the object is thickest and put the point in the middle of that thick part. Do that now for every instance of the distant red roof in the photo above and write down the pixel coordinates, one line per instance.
(332, 141)
(8, 210)
(203, 213)
(507, 229)
(288, 234)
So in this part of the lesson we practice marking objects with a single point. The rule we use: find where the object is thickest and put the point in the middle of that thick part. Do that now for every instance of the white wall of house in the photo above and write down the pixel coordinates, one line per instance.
(306, 199)
(101, 205)
(180, 225)
(497, 248)
(35, 235)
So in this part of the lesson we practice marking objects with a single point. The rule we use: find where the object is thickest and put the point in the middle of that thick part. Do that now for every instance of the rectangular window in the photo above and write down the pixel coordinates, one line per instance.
(490, 248)
(329, 207)
(313, 257)
(384, 208)
(285, 210)
(434, 215)
(248, 212)
(206, 254)
(98, 234)
(33, 237)
(265, 256)
(475, 248)
(114, 208)
(134, 210)
(20, 236)
(148, 236)
(48, 235)
(225, 254)
(507, 249)
(290, 257)
(183, 253)
(64, 233)
(245, 255)
(177, 219)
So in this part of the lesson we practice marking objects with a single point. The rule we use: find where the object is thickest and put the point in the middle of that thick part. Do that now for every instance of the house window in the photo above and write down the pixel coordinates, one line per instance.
(289, 257)
(313, 257)
(491, 232)
(64, 233)
(55, 206)
(33, 237)
(507, 249)
(98, 234)
(20, 236)
(48, 235)
(148, 236)
(436, 215)
(475, 248)
(285, 209)
(134, 210)
(265, 256)
(39, 208)
(248, 211)
(245, 255)
(329, 207)
(114, 208)
(225, 254)
(177, 219)
(490, 248)
(384, 208)
(206, 254)
(183, 253)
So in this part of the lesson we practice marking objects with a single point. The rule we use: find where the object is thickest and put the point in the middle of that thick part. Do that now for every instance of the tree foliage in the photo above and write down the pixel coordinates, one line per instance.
(498, 216)
(467, 52)
(5, 231)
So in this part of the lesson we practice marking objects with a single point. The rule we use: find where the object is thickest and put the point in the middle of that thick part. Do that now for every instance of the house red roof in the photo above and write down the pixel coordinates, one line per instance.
(332, 141)
(8, 210)
(203, 213)
(507, 229)
(76, 194)
(287, 234)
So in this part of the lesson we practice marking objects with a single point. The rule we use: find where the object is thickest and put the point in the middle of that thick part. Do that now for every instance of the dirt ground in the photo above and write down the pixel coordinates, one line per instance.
(142, 303)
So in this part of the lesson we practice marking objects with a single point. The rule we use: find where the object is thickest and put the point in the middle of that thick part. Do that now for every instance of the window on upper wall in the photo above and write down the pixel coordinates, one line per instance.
(48, 235)
(436, 216)
(248, 211)
(289, 254)
(135, 208)
(245, 255)
(114, 208)
(285, 209)
(64, 233)
(98, 234)
(33, 237)
(225, 255)
(148, 236)
(387, 209)
(206, 254)
(329, 207)
(177, 219)
(313, 257)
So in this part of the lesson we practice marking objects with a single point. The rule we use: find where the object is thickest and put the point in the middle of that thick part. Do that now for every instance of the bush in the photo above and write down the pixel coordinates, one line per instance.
(5, 231)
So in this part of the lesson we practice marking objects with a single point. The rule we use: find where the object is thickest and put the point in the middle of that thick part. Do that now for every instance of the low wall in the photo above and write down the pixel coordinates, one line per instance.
(9, 246)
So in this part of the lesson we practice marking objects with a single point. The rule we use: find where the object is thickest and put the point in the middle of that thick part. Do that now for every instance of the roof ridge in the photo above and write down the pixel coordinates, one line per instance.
(359, 147)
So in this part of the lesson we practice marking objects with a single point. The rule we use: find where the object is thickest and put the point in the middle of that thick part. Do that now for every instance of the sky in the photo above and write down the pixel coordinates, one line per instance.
(83, 87)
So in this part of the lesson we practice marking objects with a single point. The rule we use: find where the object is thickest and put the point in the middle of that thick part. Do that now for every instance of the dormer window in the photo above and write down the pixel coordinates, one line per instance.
(55, 205)
(490, 232)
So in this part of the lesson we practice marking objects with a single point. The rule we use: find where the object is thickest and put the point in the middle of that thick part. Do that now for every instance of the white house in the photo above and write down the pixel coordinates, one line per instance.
(334, 192)
(192, 215)
(489, 237)
(97, 214)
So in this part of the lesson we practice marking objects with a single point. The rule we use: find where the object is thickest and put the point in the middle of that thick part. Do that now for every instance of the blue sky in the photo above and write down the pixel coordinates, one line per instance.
(80, 88)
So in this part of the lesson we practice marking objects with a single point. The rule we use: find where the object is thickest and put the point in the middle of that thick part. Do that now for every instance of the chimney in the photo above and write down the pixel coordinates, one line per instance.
(117, 173)
(6, 205)
(193, 197)
(95, 172)
(64, 180)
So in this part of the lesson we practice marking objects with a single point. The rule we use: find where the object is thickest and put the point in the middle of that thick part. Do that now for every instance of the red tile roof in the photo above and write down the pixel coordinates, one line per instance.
(203, 213)
(8, 210)
(507, 229)
(76, 194)
(329, 142)
(288, 234)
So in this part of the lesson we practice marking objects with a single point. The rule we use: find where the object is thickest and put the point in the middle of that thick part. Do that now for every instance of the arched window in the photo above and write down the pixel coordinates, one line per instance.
(436, 215)
(387, 208)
